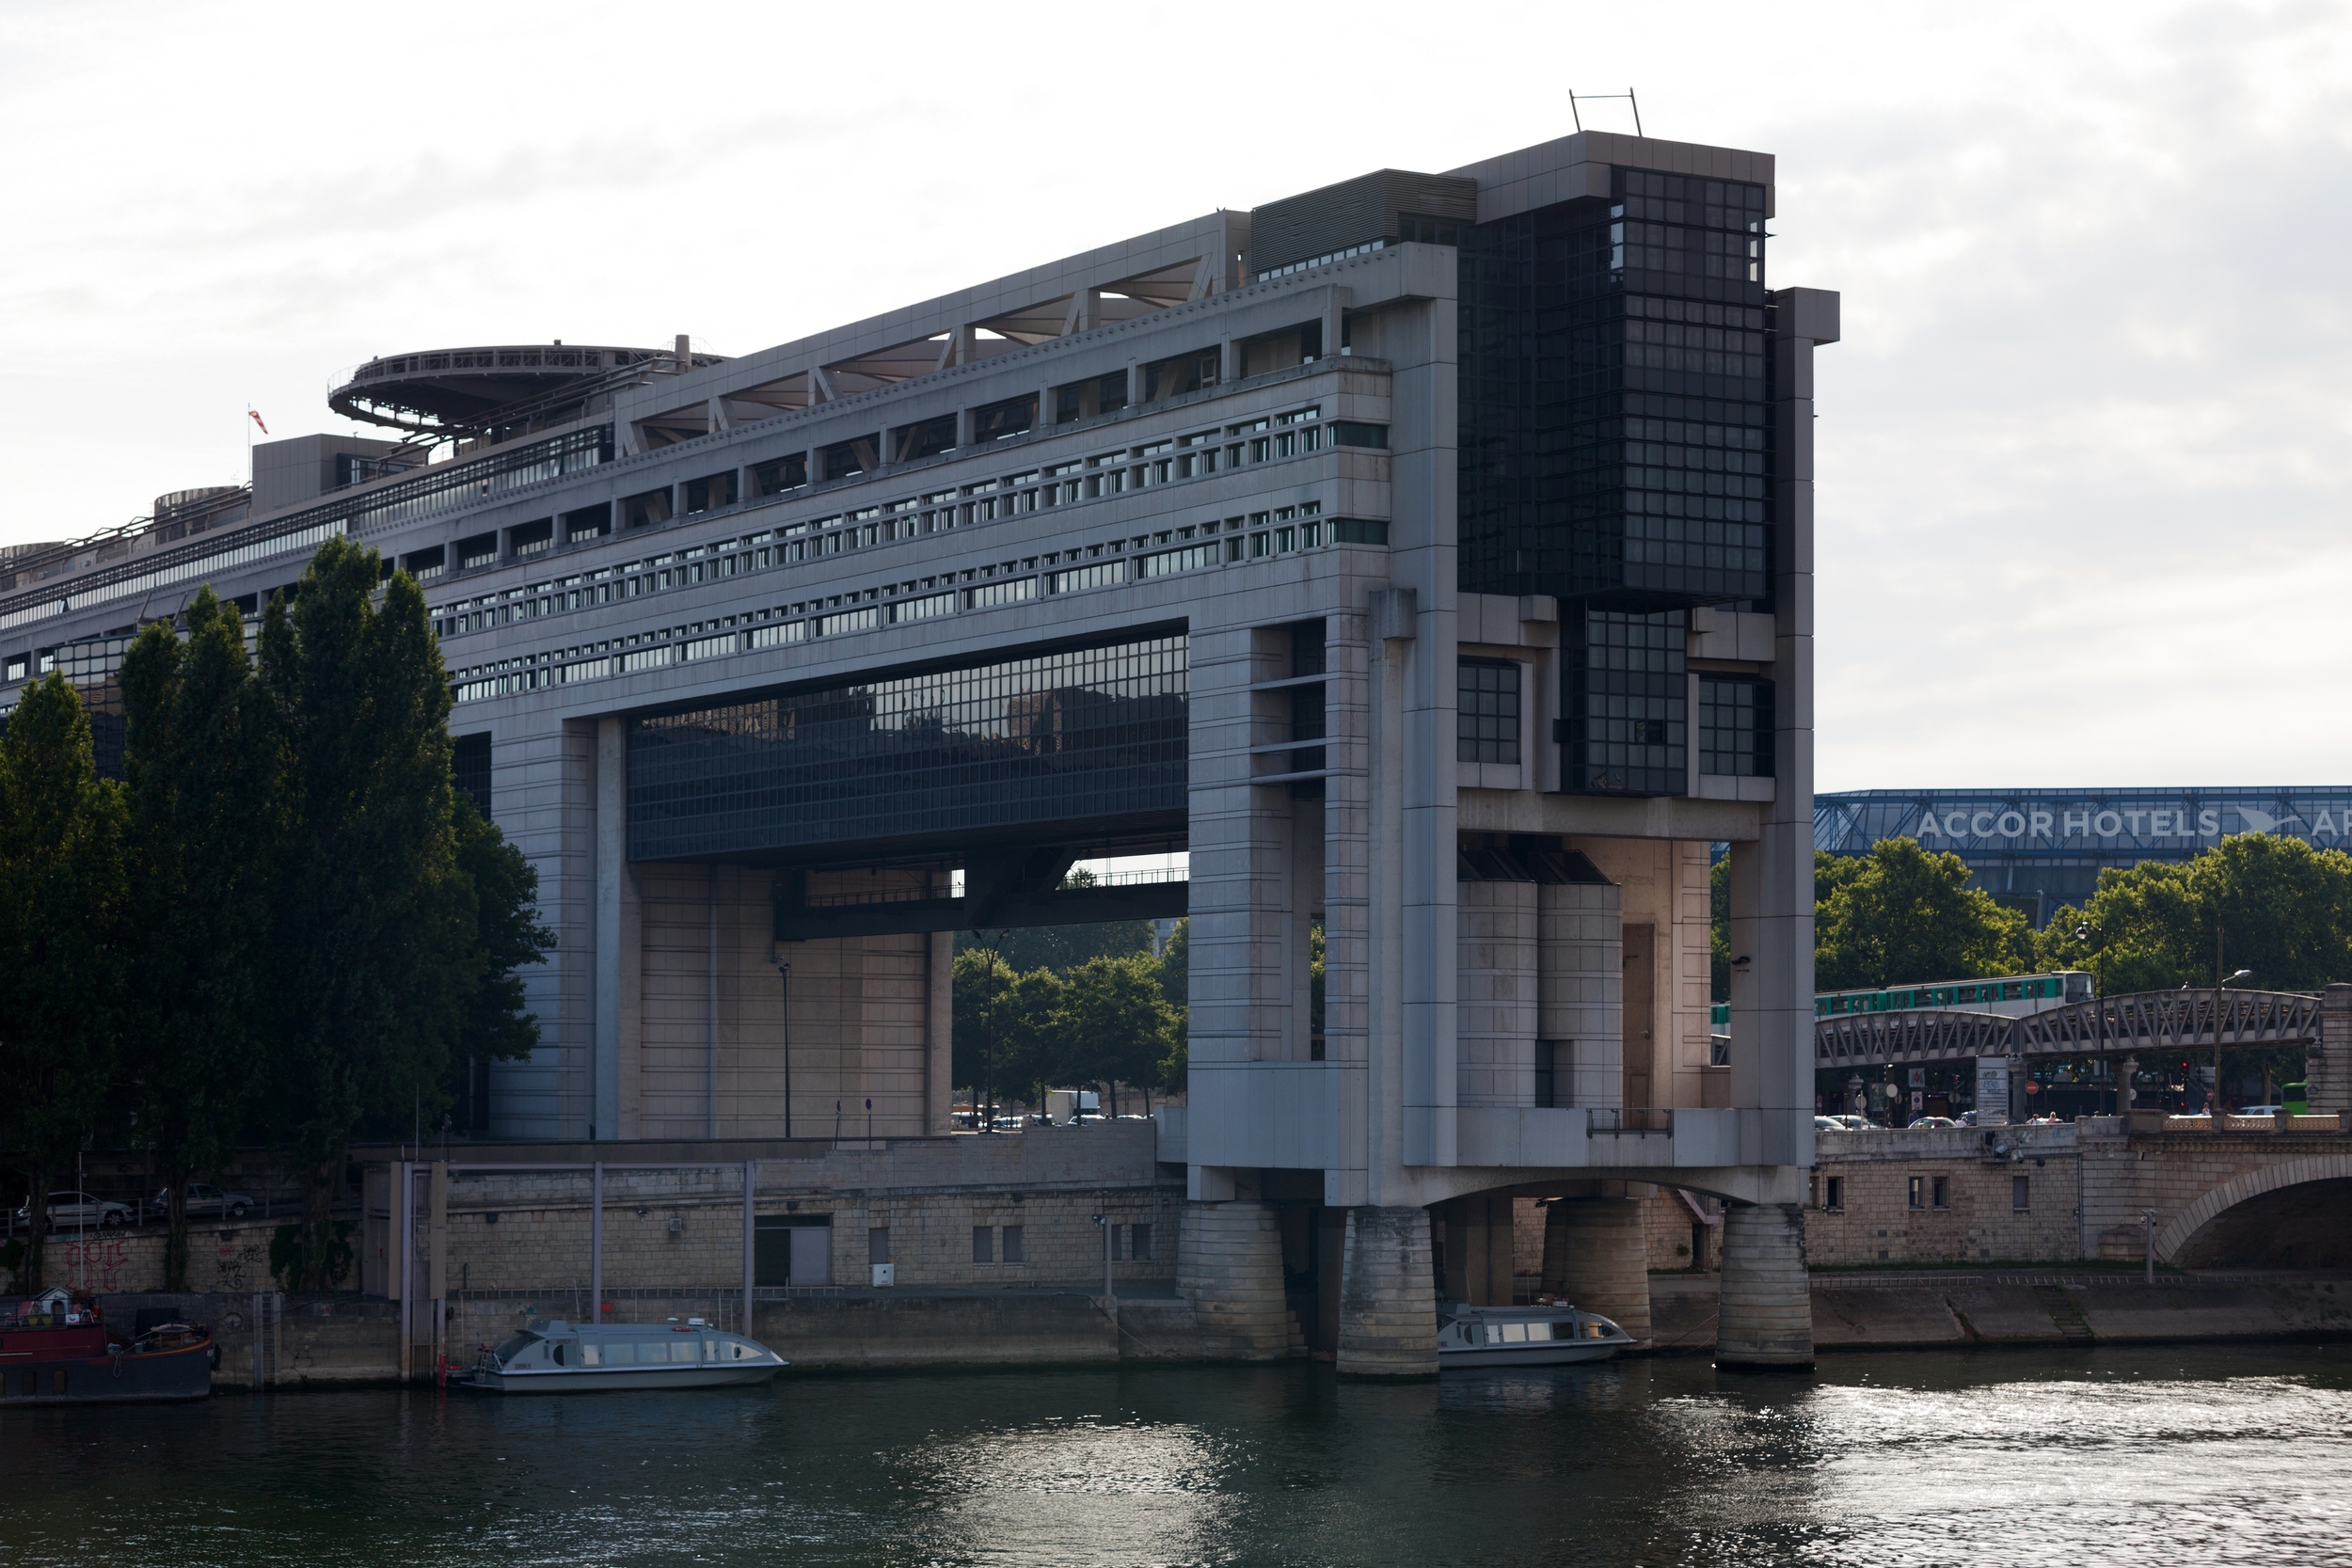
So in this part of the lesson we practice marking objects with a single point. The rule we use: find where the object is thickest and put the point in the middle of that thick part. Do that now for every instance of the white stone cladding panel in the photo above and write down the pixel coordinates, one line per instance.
(1581, 985)
(1494, 1001)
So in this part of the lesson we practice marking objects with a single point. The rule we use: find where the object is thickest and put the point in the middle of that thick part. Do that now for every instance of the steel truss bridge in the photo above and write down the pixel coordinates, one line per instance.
(2138, 1023)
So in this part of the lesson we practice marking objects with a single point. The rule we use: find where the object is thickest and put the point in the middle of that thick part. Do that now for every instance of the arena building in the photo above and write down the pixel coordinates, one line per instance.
(2037, 849)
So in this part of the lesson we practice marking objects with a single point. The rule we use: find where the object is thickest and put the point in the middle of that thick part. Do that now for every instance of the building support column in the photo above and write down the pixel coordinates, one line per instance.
(1766, 1319)
(611, 868)
(1596, 1255)
(1387, 1301)
(1228, 1266)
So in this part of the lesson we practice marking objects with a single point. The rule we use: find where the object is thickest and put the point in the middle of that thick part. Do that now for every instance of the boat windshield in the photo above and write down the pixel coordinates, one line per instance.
(515, 1347)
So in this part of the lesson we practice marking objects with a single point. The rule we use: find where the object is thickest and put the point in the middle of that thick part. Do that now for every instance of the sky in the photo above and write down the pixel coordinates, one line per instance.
(2083, 452)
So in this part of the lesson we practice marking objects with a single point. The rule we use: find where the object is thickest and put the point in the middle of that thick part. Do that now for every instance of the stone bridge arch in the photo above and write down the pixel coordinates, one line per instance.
(2177, 1240)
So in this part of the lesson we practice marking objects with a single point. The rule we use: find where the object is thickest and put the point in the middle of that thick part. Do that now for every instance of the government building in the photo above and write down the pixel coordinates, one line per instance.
(1428, 557)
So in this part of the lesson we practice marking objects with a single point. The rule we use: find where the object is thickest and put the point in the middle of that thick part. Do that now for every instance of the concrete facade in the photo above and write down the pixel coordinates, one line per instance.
(1261, 466)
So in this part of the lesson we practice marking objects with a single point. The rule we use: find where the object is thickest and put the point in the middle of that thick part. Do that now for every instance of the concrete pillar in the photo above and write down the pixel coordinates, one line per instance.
(1228, 1266)
(1388, 1302)
(611, 868)
(1596, 1255)
(1766, 1319)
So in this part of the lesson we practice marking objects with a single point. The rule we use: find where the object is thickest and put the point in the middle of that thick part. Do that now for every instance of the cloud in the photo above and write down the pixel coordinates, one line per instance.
(2083, 452)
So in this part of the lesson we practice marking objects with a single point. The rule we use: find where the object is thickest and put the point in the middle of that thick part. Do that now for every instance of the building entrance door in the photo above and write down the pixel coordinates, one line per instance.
(1641, 998)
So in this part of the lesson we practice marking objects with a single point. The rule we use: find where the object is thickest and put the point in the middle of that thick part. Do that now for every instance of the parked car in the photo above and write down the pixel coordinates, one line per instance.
(1856, 1123)
(205, 1198)
(2260, 1110)
(72, 1211)
(1828, 1124)
(1933, 1121)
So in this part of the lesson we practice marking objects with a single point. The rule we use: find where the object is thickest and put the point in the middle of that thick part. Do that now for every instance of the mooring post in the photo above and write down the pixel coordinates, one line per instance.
(595, 1243)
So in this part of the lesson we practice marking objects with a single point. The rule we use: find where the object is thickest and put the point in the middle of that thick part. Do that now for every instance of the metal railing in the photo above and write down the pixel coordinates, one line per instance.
(1640, 1120)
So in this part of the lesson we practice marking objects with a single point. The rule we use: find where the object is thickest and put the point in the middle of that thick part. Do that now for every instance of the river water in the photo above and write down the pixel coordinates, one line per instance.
(2147, 1457)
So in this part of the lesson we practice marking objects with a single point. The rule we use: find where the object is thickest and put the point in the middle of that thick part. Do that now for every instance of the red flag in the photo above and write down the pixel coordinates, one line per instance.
(257, 420)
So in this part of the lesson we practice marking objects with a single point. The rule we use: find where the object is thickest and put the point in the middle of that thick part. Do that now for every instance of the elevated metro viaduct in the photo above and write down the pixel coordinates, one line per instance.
(1428, 555)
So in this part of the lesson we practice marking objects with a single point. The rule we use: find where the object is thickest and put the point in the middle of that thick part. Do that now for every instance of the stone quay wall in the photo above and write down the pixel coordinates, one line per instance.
(914, 1203)
(2085, 1185)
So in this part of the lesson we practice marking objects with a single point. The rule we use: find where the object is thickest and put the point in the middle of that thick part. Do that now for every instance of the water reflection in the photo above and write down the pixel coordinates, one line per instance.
(1992, 1458)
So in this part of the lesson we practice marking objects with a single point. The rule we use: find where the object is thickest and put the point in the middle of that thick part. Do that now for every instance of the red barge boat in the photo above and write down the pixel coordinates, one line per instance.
(60, 1349)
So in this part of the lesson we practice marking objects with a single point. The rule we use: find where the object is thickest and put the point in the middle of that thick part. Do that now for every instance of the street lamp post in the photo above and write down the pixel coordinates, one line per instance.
(2213, 1101)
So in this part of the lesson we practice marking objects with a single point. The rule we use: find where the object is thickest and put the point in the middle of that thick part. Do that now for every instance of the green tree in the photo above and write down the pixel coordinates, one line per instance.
(1176, 968)
(1907, 915)
(2283, 909)
(1830, 873)
(1061, 947)
(63, 898)
(1008, 1037)
(205, 782)
(385, 961)
(1116, 1024)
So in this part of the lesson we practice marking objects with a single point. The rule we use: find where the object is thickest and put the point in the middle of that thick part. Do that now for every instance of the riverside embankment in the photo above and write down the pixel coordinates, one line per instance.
(277, 1342)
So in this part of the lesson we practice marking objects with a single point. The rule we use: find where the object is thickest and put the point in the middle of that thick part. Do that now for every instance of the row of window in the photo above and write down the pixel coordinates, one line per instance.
(434, 490)
(1735, 720)
(1927, 1193)
(1256, 536)
(1289, 434)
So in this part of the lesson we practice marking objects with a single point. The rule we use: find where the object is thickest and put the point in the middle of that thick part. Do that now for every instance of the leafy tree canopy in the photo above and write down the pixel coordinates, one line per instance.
(1903, 914)
(2284, 910)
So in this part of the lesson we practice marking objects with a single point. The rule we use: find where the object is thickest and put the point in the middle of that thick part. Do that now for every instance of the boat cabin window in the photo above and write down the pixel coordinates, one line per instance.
(683, 1349)
(556, 1348)
(515, 1347)
(620, 1353)
(591, 1356)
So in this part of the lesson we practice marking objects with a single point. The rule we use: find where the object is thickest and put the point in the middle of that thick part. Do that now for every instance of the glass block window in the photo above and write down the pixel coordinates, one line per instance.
(1486, 725)
(1083, 735)
(1736, 728)
(1626, 728)
(96, 667)
(1614, 390)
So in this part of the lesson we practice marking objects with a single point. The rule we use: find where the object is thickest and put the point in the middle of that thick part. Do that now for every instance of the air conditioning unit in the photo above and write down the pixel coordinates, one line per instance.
(885, 1274)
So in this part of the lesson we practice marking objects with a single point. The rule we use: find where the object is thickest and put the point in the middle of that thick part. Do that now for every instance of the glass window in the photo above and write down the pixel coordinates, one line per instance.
(1013, 1251)
(1487, 722)
(983, 1244)
(1626, 703)
(1917, 1191)
(1736, 727)
(2020, 1189)
(1084, 732)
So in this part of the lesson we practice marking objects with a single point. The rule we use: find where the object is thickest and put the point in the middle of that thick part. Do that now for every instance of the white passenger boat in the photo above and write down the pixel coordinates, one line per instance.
(552, 1356)
(1524, 1336)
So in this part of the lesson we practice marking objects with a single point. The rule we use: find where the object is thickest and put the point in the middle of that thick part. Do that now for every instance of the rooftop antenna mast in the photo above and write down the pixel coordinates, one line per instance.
(1599, 97)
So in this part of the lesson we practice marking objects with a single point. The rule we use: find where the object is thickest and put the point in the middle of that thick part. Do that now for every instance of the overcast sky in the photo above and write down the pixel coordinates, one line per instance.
(2083, 452)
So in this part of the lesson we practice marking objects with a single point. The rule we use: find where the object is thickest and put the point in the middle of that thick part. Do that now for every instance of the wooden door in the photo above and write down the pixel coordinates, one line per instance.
(1641, 1008)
